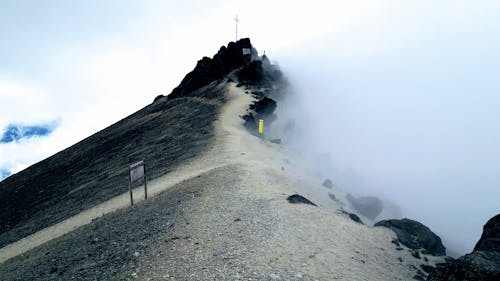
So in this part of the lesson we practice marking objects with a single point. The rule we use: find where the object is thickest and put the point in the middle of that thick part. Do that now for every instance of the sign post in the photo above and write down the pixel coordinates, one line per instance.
(261, 128)
(137, 173)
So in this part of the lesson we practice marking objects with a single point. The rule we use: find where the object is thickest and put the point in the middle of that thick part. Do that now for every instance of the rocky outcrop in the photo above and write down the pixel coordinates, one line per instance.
(265, 106)
(366, 205)
(415, 235)
(476, 266)
(207, 70)
(253, 70)
(482, 264)
(490, 239)
(261, 109)
(260, 74)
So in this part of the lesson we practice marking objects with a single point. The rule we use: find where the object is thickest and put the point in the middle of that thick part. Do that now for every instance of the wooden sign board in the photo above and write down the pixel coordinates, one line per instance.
(137, 174)
(137, 171)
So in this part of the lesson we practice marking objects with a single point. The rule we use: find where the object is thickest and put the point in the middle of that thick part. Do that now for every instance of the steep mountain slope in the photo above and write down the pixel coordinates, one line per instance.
(234, 211)
(164, 134)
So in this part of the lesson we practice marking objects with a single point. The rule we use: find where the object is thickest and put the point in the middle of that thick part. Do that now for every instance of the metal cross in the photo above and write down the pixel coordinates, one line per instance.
(236, 20)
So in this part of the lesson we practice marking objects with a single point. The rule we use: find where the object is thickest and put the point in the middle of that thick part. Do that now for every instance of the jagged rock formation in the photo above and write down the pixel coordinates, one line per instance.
(261, 109)
(241, 56)
(483, 264)
(368, 206)
(260, 74)
(208, 70)
(249, 69)
(490, 239)
(415, 235)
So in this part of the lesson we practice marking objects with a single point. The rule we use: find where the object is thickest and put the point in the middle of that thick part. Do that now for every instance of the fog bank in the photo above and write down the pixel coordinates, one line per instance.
(414, 121)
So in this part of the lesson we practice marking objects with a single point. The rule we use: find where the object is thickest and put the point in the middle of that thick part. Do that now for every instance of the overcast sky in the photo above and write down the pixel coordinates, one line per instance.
(404, 95)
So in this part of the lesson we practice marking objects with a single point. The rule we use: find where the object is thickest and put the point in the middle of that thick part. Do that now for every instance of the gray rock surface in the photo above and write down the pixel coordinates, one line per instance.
(368, 206)
(483, 264)
(415, 235)
(476, 266)
(490, 239)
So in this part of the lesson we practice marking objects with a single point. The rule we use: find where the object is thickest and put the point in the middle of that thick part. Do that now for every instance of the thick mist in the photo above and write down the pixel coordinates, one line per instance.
(418, 126)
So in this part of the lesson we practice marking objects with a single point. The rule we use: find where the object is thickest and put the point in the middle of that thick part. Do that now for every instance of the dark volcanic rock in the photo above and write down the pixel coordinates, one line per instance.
(427, 268)
(265, 106)
(366, 205)
(328, 183)
(294, 199)
(482, 264)
(250, 123)
(419, 276)
(261, 109)
(490, 239)
(260, 73)
(477, 266)
(353, 217)
(208, 70)
(415, 235)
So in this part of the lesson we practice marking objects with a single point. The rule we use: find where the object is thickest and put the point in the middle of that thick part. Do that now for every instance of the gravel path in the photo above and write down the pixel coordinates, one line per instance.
(230, 221)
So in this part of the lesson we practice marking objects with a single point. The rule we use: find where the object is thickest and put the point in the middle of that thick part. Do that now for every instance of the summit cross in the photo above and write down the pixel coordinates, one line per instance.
(236, 20)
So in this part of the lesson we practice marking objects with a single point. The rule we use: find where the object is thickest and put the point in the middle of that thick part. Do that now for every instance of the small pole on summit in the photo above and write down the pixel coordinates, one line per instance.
(236, 21)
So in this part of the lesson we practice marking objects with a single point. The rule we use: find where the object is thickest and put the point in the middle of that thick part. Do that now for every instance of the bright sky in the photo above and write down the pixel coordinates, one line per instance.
(409, 88)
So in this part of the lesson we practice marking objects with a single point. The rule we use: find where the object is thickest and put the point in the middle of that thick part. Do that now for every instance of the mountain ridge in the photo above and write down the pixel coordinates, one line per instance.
(221, 208)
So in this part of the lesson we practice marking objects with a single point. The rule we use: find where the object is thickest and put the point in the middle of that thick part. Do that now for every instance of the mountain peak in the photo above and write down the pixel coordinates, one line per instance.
(227, 59)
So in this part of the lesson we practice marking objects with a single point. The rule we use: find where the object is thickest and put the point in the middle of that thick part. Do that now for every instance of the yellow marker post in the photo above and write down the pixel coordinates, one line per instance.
(261, 127)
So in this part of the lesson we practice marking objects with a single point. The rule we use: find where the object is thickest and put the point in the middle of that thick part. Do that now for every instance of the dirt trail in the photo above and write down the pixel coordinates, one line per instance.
(283, 240)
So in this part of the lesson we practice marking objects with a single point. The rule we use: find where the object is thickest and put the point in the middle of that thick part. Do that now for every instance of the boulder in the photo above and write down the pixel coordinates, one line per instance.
(295, 199)
(264, 106)
(261, 109)
(366, 205)
(250, 123)
(353, 217)
(482, 264)
(328, 183)
(415, 235)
